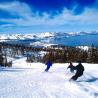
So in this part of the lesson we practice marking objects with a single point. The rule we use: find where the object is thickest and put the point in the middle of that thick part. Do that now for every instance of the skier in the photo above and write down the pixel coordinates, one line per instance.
(79, 71)
(71, 67)
(49, 64)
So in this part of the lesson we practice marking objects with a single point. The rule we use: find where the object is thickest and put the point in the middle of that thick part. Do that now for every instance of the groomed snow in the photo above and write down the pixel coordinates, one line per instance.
(30, 81)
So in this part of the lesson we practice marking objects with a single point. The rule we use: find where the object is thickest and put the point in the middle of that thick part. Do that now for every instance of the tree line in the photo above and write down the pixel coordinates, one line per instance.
(57, 54)
(73, 54)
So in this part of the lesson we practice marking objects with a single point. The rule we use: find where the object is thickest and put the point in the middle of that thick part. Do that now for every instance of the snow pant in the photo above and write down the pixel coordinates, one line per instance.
(78, 74)
(48, 67)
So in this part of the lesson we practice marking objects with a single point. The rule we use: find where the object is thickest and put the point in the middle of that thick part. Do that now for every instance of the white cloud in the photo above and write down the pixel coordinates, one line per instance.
(16, 8)
(29, 18)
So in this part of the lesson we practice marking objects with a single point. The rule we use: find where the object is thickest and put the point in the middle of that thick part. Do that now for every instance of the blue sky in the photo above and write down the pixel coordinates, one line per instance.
(28, 16)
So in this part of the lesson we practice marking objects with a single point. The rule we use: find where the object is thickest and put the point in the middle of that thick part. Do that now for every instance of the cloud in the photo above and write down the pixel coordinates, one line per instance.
(19, 14)
(15, 9)
(55, 7)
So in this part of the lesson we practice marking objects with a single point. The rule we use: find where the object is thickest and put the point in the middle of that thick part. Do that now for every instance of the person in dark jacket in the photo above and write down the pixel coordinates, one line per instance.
(71, 67)
(79, 71)
(49, 64)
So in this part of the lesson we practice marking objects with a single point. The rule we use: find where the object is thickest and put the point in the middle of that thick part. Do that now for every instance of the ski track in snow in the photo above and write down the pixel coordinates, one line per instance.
(30, 81)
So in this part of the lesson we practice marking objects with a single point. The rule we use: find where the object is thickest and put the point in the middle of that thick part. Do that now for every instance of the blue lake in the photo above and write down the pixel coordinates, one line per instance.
(87, 40)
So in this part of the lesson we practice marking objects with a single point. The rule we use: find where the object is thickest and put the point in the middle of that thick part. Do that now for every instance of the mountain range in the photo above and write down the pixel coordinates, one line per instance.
(69, 39)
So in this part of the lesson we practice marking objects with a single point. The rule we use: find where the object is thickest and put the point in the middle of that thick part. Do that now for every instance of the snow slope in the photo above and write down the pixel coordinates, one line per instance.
(30, 81)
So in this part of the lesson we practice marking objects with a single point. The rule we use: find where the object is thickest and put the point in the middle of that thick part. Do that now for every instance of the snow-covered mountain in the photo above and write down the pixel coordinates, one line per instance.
(16, 36)
(69, 39)
(43, 35)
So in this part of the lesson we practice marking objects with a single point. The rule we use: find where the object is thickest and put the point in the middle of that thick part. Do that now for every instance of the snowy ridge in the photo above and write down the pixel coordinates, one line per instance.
(26, 36)
(16, 36)
(46, 34)
(28, 80)
(43, 35)
(48, 38)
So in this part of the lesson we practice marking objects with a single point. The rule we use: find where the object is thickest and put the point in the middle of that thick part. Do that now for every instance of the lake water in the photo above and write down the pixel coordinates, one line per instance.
(85, 40)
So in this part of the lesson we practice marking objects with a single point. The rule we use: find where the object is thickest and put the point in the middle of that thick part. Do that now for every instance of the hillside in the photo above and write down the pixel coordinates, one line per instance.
(25, 80)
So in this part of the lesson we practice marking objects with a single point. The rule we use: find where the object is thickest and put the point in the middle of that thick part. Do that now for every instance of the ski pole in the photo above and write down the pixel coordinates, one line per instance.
(66, 72)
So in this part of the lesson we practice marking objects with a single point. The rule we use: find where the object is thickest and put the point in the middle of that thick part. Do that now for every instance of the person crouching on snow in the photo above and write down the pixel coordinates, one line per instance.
(79, 71)
(71, 67)
(48, 64)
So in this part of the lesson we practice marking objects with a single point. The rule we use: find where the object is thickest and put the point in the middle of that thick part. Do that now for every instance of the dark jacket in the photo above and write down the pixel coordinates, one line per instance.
(49, 63)
(79, 68)
(79, 71)
(71, 68)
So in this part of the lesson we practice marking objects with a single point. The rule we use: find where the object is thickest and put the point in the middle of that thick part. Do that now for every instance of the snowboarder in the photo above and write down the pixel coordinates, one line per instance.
(79, 71)
(49, 64)
(71, 67)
